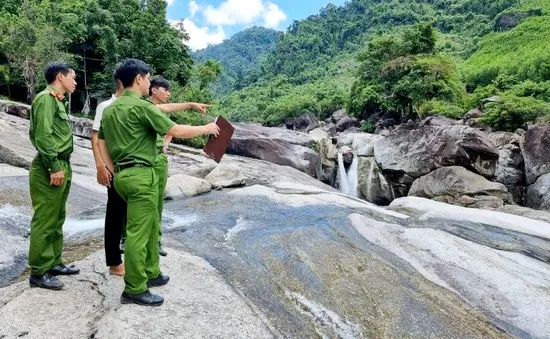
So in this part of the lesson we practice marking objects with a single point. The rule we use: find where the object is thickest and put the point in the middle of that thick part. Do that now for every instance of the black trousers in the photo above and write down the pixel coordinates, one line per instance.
(115, 222)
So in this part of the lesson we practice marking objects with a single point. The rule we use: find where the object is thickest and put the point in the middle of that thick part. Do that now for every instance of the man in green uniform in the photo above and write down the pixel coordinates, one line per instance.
(127, 142)
(50, 176)
(159, 94)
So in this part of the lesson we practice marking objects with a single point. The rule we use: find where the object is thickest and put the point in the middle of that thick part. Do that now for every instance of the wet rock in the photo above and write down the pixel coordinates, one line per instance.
(184, 186)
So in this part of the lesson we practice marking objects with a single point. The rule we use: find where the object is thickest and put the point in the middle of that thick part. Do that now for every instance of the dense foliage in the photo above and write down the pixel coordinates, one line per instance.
(240, 57)
(377, 58)
(93, 35)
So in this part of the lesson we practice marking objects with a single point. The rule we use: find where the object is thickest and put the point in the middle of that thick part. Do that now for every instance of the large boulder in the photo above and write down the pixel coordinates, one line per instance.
(458, 186)
(185, 186)
(537, 195)
(373, 186)
(363, 143)
(82, 127)
(305, 122)
(279, 146)
(346, 123)
(407, 154)
(15, 108)
(226, 176)
(535, 146)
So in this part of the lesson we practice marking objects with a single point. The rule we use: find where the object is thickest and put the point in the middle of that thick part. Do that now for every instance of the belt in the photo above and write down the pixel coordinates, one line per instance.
(123, 167)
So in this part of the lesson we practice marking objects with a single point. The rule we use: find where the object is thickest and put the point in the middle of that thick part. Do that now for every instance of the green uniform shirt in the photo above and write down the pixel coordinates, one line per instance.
(50, 130)
(130, 127)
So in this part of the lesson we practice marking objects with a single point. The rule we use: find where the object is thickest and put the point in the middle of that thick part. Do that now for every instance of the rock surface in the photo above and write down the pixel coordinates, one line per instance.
(407, 154)
(15, 108)
(305, 122)
(89, 306)
(537, 196)
(535, 146)
(458, 186)
(226, 176)
(373, 186)
(182, 186)
(276, 145)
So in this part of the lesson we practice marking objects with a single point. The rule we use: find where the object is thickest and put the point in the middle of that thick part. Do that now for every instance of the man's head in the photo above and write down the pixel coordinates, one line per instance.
(160, 90)
(118, 83)
(134, 74)
(61, 75)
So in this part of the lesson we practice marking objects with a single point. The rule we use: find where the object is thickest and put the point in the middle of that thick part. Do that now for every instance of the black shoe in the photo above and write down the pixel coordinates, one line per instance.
(145, 299)
(161, 280)
(121, 247)
(61, 269)
(47, 281)
(162, 251)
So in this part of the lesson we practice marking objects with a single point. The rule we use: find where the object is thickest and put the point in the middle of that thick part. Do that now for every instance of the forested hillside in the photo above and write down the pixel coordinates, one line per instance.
(240, 56)
(93, 36)
(412, 58)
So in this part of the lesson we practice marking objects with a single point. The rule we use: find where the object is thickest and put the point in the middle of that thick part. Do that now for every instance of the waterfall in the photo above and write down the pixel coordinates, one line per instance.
(348, 181)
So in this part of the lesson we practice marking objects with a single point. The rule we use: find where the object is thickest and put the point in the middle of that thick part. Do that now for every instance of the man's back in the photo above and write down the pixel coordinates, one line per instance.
(129, 127)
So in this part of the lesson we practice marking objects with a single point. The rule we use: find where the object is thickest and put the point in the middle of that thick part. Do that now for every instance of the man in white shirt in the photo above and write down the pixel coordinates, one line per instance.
(115, 216)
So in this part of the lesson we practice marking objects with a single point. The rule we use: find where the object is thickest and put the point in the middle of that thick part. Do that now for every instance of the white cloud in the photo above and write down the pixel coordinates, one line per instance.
(201, 37)
(169, 2)
(193, 8)
(234, 12)
(273, 16)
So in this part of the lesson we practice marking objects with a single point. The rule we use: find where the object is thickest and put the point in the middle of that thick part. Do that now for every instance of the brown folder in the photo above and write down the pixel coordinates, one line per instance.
(215, 147)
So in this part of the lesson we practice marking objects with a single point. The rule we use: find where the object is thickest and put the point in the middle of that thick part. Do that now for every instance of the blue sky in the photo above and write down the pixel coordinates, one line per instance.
(212, 21)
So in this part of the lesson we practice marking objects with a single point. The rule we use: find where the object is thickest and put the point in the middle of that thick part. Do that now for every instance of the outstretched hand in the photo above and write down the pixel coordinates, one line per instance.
(201, 107)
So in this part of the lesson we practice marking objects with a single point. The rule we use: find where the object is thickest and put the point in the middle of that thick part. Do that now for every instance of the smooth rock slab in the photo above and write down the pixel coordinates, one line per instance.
(198, 304)
(182, 185)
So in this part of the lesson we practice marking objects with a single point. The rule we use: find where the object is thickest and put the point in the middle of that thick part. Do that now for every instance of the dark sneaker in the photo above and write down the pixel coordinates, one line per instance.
(145, 299)
(161, 280)
(61, 269)
(162, 252)
(46, 281)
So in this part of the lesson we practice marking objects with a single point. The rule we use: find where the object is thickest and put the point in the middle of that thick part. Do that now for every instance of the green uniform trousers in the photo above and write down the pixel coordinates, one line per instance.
(48, 202)
(161, 168)
(138, 186)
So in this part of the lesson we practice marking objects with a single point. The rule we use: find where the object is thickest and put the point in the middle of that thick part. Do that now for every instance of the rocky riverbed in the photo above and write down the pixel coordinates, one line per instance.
(261, 250)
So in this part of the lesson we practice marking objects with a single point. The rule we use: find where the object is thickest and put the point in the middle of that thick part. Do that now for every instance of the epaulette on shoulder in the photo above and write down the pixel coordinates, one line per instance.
(146, 99)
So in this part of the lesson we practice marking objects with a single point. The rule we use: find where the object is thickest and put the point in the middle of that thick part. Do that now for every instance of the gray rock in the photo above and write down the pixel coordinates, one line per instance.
(15, 108)
(526, 212)
(458, 186)
(337, 116)
(437, 120)
(82, 127)
(501, 139)
(535, 146)
(417, 152)
(319, 134)
(305, 122)
(363, 143)
(347, 123)
(473, 114)
(91, 306)
(373, 186)
(185, 186)
(226, 176)
(282, 147)
(510, 170)
(537, 196)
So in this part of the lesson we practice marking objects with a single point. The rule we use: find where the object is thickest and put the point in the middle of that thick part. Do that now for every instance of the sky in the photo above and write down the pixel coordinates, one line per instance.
(209, 22)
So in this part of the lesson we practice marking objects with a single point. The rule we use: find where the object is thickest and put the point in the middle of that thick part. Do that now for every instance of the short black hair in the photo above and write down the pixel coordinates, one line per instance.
(115, 72)
(159, 82)
(129, 70)
(54, 68)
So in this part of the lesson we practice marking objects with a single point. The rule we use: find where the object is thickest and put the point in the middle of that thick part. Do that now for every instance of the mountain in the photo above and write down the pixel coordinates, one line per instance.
(315, 63)
(240, 56)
